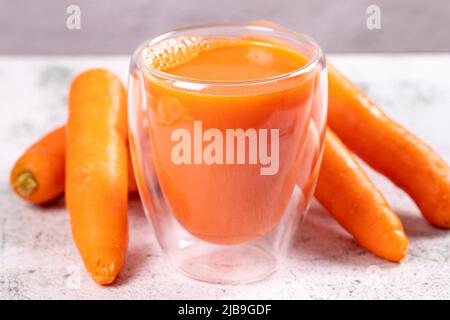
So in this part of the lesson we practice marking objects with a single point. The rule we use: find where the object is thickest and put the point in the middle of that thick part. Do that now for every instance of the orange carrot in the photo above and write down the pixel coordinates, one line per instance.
(97, 172)
(38, 175)
(389, 148)
(350, 197)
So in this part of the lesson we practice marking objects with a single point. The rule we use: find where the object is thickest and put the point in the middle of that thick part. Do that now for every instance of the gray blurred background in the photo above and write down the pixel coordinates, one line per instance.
(113, 26)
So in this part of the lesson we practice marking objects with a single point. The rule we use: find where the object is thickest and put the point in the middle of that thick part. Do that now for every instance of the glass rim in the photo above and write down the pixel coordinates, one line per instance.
(318, 55)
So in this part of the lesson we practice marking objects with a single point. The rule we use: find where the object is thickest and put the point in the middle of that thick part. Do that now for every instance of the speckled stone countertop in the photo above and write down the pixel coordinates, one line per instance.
(38, 259)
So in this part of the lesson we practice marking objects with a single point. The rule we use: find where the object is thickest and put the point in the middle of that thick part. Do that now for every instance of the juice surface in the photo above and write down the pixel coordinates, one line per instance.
(242, 61)
(230, 203)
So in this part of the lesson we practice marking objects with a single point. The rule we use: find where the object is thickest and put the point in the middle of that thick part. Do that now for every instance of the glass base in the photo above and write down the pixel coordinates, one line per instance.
(223, 264)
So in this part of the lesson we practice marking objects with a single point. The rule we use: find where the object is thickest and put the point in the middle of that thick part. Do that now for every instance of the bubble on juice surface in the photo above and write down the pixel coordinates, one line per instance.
(172, 52)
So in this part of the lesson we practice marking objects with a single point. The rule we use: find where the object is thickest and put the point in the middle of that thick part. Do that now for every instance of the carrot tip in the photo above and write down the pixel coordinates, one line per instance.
(26, 183)
(106, 274)
(399, 246)
(104, 265)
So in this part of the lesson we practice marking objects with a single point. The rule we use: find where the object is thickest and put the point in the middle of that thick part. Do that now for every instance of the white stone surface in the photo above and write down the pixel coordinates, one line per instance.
(38, 258)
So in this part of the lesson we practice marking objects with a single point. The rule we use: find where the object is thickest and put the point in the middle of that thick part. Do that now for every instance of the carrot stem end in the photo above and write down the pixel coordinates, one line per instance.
(26, 183)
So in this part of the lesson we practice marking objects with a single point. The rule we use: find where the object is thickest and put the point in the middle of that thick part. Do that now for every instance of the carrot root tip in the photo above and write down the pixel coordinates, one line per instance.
(104, 270)
(26, 183)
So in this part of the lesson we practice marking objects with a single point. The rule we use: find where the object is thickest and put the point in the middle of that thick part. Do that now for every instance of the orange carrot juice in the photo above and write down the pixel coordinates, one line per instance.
(227, 136)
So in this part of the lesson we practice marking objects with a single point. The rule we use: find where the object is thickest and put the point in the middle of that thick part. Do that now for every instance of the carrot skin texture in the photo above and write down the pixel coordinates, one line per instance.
(97, 172)
(38, 175)
(349, 196)
(389, 148)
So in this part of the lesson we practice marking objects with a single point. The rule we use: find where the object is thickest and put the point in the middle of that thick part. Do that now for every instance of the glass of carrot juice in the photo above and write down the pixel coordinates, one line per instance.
(226, 130)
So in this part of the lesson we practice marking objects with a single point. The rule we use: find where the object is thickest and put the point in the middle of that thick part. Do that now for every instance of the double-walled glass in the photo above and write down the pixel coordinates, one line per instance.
(229, 214)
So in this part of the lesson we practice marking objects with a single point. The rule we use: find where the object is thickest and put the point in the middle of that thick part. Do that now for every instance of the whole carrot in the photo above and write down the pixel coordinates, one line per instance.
(38, 175)
(350, 197)
(389, 148)
(97, 172)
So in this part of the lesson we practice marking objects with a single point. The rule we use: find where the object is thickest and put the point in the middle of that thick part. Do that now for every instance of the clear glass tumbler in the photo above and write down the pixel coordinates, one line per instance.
(229, 215)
